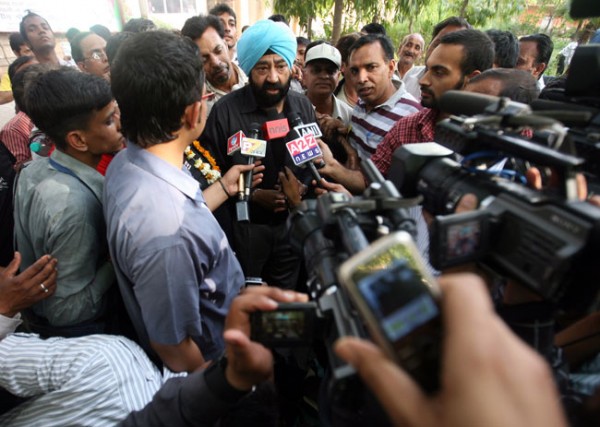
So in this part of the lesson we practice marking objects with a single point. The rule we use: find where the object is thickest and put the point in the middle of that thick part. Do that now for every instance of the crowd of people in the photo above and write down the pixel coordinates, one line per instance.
(127, 281)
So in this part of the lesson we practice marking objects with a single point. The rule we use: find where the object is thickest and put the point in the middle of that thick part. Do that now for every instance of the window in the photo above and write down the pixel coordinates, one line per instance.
(172, 6)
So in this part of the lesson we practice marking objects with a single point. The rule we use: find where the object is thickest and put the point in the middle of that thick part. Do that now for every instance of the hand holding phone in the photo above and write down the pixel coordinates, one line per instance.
(398, 300)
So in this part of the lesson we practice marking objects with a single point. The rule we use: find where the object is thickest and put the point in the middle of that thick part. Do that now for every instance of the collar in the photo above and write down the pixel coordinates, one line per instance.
(391, 101)
(164, 171)
(540, 83)
(90, 176)
(430, 114)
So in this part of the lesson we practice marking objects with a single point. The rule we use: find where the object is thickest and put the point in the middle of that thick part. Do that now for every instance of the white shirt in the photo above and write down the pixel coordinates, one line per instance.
(411, 80)
(94, 381)
(9, 324)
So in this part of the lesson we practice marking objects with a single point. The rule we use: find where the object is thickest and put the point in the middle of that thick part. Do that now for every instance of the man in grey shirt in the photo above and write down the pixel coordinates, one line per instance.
(58, 207)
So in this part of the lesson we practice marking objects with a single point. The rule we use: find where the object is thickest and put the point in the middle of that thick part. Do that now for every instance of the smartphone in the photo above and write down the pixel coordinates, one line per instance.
(290, 325)
(398, 300)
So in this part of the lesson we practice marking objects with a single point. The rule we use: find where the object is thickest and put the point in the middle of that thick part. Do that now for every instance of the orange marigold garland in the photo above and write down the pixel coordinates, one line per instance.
(208, 168)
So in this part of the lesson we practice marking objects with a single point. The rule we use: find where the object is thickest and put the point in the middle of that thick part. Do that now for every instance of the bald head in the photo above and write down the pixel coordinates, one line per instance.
(409, 51)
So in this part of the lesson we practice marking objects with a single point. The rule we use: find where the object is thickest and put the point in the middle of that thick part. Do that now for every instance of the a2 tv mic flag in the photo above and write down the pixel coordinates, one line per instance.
(304, 149)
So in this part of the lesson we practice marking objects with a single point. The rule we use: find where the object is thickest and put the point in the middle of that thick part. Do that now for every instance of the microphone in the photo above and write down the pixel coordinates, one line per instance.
(303, 146)
(463, 103)
(250, 147)
(234, 144)
(274, 128)
(512, 113)
(570, 114)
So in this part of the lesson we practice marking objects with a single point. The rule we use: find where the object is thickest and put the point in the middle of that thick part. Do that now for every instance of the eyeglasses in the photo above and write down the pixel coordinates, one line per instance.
(208, 96)
(98, 56)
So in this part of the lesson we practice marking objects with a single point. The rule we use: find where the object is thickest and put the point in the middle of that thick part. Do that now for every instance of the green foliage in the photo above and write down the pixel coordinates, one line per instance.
(304, 10)
(401, 17)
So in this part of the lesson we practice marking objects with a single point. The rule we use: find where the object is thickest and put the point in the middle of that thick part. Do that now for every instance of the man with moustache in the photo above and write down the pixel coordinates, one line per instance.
(448, 25)
(222, 74)
(89, 53)
(380, 105)
(409, 52)
(266, 53)
(459, 56)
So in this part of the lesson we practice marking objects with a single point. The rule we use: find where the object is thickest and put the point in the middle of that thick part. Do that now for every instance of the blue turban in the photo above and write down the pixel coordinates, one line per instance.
(262, 36)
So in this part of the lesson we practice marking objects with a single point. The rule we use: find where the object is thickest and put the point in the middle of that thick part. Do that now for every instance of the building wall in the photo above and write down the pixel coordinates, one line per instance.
(7, 56)
(247, 11)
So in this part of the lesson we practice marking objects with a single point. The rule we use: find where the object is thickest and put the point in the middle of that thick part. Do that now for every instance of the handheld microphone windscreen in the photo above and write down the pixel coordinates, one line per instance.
(252, 146)
(275, 127)
(234, 143)
(303, 129)
(303, 149)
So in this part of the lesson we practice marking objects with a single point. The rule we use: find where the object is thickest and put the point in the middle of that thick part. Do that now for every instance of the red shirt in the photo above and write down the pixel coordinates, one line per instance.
(104, 162)
(418, 127)
(15, 135)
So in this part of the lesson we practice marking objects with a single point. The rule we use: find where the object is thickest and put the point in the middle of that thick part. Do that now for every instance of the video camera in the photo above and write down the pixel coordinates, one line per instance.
(581, 95)
(354, 282)
(546, 240)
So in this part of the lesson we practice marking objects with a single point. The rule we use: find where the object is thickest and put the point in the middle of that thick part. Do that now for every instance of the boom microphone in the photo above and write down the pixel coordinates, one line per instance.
(463, 103)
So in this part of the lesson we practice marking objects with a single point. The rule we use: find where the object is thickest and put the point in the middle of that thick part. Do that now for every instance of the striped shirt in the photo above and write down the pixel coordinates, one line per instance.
(370, 127)
(15, 135)
(94, 381)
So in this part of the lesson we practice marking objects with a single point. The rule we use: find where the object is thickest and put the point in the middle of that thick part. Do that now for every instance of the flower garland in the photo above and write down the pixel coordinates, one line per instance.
(209, 168)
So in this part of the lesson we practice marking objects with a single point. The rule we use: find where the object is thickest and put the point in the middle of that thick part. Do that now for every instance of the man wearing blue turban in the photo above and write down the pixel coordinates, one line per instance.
(262, 36)
(266, 52)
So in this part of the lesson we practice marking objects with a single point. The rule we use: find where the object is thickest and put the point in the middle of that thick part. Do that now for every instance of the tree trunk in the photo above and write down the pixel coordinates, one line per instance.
(143, 8)
(463, 8)
(309, 28)
(338, 11)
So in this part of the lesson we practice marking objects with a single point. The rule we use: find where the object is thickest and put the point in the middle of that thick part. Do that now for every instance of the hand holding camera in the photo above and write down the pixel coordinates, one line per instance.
(249, 362)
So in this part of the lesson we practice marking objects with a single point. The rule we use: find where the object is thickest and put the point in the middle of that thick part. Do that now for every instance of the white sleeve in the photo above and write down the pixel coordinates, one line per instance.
(9, 324)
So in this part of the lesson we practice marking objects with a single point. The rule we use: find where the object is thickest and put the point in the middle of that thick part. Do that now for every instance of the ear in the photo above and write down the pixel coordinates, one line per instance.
(392, 67)
(539, 69)
(470, 76)
(192, 115)
(81, 66)
(76, 140)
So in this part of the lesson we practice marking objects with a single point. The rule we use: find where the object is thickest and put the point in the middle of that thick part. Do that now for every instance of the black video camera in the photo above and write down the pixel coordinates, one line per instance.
(358, 251)
(545, 240)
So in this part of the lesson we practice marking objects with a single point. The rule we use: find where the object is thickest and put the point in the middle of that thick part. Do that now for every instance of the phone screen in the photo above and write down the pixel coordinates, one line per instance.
(398, 300)
(283, 325)
(396, 293)
(289, 325)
